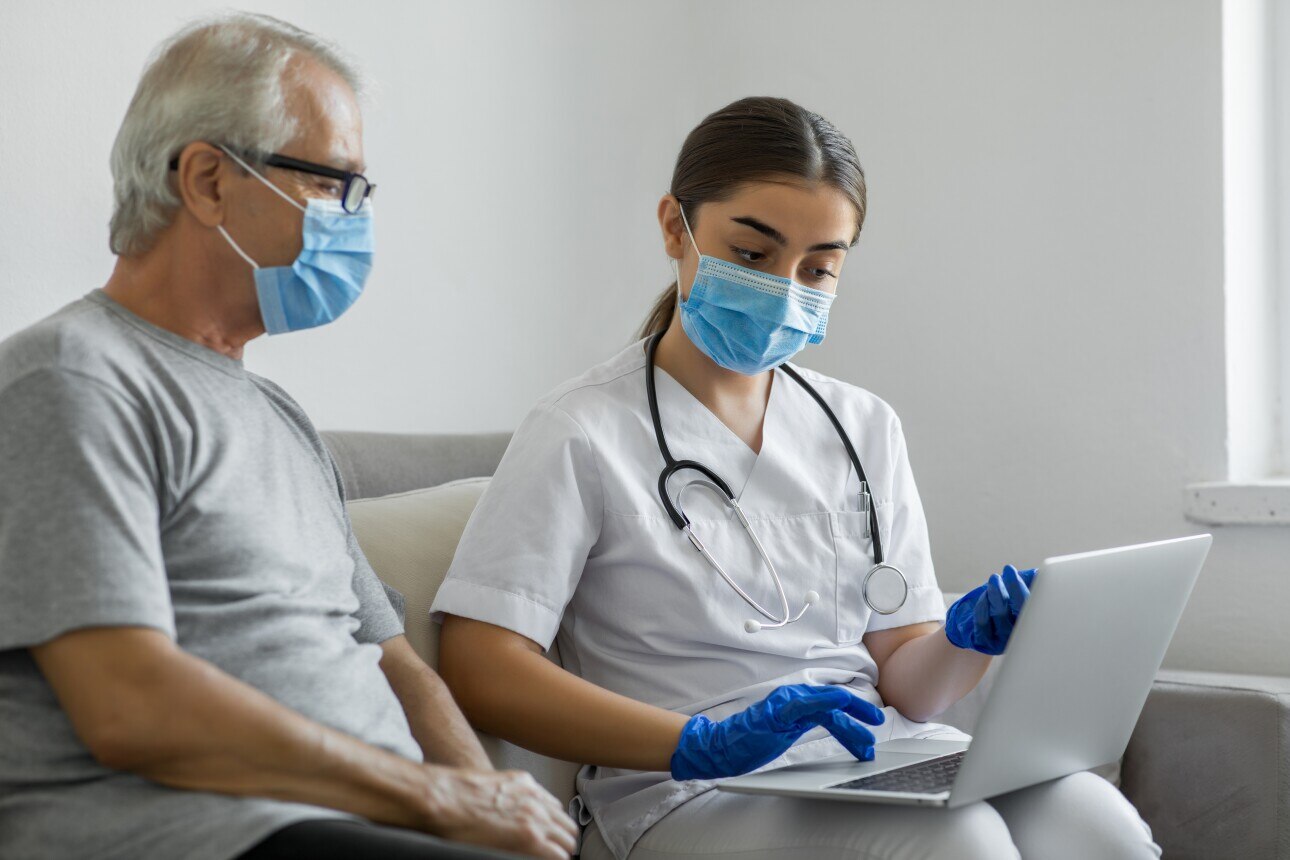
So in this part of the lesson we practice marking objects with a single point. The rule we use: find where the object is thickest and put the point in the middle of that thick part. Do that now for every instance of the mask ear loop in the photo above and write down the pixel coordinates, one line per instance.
(284, 195)
(686, 222)
(275, 189)
(676, 264)
(234, 245)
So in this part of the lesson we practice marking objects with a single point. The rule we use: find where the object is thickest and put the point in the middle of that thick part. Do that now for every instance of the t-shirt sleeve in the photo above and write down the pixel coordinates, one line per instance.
(80, 511)
(523, 551)
(380, 607)
(906, 545)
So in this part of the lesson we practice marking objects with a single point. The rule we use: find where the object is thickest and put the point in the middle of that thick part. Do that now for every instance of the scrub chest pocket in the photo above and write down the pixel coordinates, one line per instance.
(854, 553)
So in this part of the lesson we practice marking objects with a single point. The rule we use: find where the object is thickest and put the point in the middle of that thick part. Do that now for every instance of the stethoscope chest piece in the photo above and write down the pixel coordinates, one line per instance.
(885, 589)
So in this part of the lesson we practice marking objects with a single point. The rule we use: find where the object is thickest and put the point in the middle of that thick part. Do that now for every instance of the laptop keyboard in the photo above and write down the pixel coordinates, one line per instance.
(926, 777)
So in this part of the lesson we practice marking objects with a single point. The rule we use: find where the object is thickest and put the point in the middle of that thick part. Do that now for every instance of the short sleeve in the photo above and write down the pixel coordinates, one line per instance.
(380, 607)
(906, 545)
(523, 551)
(80, 538)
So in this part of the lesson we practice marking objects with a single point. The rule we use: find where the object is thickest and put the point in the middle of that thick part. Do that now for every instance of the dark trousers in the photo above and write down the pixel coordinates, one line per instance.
(344, 839)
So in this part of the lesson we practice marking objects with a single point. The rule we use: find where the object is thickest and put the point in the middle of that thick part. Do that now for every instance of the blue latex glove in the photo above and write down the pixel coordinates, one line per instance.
(982, 619)
(763, 731)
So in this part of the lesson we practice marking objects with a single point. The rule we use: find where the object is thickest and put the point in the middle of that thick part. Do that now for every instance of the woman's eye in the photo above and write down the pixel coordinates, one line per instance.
(745, 254)
(820, 274)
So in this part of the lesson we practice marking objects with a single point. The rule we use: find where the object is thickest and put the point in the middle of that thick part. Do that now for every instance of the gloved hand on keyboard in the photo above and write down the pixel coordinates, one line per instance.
(982, 620)
(763, 731)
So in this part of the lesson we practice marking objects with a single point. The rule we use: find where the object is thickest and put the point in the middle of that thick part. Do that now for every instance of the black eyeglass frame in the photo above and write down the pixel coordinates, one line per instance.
(286, 162)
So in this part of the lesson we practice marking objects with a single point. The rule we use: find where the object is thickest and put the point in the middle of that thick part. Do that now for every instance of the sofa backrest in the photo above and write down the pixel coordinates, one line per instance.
(377, 464)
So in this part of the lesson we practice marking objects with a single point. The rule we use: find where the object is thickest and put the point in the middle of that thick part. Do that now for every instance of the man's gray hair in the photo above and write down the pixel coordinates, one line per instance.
(219, 80)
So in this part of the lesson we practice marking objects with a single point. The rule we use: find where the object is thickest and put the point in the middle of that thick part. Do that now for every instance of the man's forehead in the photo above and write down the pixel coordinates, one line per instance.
(329, 123)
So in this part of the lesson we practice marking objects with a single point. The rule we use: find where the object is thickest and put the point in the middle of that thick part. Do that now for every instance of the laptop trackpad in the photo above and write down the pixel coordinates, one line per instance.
(925, 746)
(887, 755)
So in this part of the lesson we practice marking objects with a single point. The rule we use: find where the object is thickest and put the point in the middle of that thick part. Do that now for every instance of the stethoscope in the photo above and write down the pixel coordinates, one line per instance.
(884, 588)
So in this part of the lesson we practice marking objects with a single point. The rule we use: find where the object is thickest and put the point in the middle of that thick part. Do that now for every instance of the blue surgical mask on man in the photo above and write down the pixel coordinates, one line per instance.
(745, 320)
(327, 276)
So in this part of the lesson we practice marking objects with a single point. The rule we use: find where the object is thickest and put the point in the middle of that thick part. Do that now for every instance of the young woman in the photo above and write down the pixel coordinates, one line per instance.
(688, 520)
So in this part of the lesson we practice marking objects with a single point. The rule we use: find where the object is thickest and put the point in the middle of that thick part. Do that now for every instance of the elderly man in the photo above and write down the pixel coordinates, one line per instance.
(196, 661)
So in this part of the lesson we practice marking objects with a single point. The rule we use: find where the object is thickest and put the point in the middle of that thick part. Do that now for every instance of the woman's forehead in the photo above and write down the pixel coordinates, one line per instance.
(805, 212)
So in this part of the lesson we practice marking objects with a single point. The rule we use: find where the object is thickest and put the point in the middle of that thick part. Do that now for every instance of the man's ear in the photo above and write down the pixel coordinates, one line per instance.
(200, 181)
(675, 238)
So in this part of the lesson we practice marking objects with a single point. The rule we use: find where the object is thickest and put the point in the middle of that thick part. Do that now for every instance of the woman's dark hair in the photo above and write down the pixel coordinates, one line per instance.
(755, 139)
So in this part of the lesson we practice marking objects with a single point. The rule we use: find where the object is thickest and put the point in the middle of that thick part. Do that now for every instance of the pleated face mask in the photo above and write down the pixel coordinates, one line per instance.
(745, 320)
(327, 276)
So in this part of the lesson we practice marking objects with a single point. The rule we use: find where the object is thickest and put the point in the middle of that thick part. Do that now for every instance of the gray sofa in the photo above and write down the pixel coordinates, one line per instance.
(1208, 765)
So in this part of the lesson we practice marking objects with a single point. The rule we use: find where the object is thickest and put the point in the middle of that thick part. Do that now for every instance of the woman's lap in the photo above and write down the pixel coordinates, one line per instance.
(1081, 815)
(1078, 816)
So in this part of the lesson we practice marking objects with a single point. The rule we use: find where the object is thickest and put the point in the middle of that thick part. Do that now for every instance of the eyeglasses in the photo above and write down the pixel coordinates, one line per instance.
(355, 190)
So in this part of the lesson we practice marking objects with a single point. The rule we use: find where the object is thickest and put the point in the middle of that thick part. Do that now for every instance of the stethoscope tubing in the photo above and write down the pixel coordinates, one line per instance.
(679, 518)
(761, 550)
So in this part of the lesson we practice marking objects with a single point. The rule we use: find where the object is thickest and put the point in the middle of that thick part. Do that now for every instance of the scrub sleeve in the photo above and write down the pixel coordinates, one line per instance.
(906, 545)
(523, 551)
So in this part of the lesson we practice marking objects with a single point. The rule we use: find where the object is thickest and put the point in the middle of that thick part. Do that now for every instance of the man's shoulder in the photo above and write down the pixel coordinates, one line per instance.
(272, 390)
(74, 341)
(284, 401)
(293, 412)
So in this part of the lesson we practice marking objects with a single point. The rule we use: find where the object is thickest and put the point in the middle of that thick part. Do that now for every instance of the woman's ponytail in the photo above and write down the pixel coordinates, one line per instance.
(660, 315)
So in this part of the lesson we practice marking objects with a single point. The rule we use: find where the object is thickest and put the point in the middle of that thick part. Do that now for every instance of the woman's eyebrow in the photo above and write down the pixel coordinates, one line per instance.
(780, 239)
(765, 229)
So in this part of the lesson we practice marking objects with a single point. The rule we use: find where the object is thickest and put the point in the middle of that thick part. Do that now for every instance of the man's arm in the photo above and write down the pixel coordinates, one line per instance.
(436, 721)
(142, 704)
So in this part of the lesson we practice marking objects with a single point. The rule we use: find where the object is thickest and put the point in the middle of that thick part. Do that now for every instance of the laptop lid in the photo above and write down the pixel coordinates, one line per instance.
(1080, 664)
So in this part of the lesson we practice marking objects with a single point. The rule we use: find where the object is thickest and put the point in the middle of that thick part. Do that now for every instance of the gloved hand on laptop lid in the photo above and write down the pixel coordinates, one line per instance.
(982, 620)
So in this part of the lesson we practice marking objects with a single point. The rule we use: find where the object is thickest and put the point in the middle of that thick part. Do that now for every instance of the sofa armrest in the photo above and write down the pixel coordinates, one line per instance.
(1207, 765)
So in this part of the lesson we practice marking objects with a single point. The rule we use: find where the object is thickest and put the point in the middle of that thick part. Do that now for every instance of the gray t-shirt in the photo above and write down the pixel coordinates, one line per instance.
(146, 480)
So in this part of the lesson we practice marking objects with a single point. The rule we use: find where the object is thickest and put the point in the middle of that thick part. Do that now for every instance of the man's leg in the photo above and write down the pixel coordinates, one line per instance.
(345, 839)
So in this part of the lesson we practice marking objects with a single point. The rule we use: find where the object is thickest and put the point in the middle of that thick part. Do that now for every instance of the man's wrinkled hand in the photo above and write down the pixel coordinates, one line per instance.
(499, 809)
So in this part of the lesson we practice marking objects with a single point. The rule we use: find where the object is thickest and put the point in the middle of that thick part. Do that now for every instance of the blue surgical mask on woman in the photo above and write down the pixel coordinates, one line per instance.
(745, 320)
(327, 276)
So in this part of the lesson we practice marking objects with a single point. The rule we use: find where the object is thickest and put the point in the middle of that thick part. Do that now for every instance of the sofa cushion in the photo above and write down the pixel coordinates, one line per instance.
(410, 538)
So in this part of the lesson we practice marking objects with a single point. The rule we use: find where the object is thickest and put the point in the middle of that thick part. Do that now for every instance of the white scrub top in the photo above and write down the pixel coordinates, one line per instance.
(571, 541)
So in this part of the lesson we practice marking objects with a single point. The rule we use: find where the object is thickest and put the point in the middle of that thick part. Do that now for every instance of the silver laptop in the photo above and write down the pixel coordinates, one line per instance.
(1081, 661)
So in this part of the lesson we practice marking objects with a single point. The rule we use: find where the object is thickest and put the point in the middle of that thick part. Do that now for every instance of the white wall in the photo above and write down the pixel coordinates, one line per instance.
(1038, 290)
